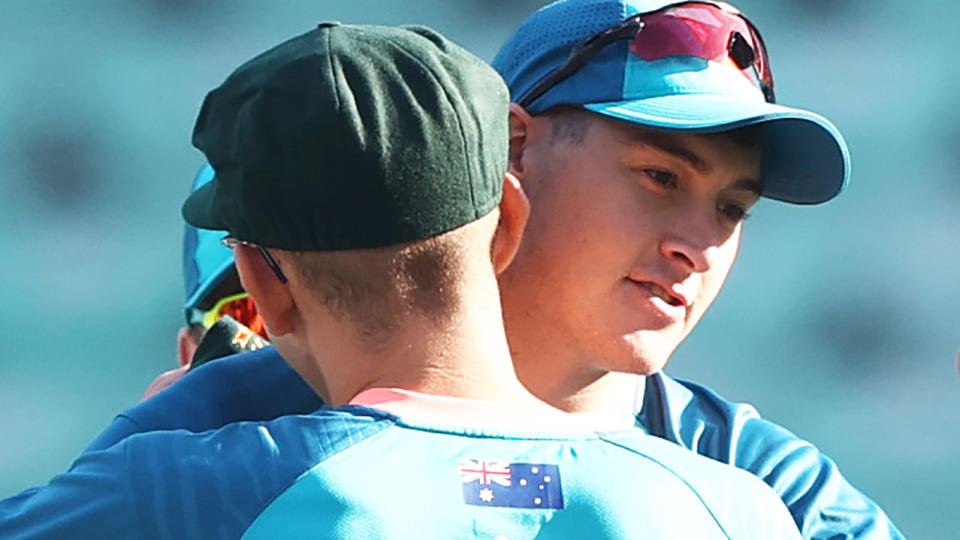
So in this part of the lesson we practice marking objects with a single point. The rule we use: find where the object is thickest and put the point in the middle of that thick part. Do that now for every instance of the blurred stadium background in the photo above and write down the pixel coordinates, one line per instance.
(840, 322)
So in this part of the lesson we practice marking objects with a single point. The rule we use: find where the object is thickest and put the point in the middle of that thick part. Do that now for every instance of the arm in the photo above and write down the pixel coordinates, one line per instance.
(253, 386)
(821, 501)
(94, 500)
(170, 485)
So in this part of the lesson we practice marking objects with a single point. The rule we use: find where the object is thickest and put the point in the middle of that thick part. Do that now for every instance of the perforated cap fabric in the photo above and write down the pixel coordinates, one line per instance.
(805, 159)
(543, 42)
(205, 260)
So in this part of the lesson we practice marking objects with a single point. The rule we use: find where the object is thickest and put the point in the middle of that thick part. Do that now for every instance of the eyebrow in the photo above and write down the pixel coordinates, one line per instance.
(667, 144)
(749, 184)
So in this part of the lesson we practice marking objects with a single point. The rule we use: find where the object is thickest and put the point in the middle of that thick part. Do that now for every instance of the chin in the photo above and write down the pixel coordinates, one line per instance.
(645, 354)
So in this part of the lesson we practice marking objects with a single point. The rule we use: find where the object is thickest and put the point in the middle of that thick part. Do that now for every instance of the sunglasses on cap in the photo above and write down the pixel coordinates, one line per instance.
(239, 306)
(706, 30)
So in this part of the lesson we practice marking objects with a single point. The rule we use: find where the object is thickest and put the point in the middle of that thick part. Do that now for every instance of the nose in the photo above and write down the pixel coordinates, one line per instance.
(686, 254)
(692, 243)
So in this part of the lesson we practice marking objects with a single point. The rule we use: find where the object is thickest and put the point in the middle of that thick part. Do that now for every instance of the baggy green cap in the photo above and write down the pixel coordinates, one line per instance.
(350, 137)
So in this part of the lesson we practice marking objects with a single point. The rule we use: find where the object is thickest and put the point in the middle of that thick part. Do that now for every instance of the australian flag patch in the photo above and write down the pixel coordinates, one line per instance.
(511, 485)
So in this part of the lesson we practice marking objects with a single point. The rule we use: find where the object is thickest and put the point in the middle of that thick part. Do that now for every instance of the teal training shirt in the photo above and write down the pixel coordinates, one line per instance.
(260, 386)
(359, 472)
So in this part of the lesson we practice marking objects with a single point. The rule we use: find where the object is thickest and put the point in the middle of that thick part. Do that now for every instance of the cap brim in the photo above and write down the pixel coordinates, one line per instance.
(805, 159)
(198, 209)
(211, 281)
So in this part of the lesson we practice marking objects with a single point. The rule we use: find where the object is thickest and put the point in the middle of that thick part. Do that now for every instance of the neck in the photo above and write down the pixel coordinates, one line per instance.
(465, 355)
(572, 383)
(612, 393)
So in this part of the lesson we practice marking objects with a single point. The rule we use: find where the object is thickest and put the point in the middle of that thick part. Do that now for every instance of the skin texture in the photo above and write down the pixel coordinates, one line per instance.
(614, 210)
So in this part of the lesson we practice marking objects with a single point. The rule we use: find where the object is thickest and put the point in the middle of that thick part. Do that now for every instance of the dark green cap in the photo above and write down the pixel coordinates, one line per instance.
(351, 137)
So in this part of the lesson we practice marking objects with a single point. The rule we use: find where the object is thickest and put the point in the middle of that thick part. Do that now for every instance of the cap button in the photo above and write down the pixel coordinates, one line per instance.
(328, 24)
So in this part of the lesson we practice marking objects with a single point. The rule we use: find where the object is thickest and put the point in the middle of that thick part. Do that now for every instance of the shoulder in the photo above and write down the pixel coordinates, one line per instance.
(692, 415)
(253, 386)
(742, 505)
(175, 475)
(701, 420)
(291, 441)
(178, 484)
(823, 503)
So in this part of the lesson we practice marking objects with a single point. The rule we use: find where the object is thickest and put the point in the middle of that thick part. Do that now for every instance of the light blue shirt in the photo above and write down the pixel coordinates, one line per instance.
(358, 473)
(261, 386)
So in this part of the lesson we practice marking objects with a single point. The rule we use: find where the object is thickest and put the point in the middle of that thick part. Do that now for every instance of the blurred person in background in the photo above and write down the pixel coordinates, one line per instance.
(221, 317)
(559, 349)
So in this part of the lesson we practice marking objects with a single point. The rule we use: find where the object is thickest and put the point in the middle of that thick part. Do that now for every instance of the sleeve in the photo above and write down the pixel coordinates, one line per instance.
(94, 500)
(822, 502)
(167, 485)
(249, 387)
(122, 427)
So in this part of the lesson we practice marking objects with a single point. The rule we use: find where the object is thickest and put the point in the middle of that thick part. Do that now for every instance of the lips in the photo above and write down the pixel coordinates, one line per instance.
(671, 303)
(665, 295)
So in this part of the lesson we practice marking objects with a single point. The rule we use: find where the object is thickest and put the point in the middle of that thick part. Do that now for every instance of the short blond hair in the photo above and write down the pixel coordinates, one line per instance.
(377, 288)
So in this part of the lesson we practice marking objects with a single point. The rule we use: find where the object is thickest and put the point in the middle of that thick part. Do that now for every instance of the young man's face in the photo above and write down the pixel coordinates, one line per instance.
(630, 238)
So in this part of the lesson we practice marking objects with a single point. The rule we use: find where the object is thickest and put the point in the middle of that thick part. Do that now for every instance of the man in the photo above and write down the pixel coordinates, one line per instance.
(626, 274)
(213, 292)
(645, 89)
(221, 318)
(373, 259)
(569, 298)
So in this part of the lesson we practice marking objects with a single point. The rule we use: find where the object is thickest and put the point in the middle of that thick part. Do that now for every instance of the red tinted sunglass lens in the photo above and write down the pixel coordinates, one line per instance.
(242, 310)
(703, 31)
(700, 31)
(665, 35)
(245, 312)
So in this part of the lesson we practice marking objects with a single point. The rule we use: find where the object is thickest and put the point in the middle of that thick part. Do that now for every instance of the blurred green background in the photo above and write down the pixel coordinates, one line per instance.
(840, 322)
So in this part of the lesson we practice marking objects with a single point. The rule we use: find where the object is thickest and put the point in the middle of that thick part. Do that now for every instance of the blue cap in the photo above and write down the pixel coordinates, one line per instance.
(205, 260)
(805, 159)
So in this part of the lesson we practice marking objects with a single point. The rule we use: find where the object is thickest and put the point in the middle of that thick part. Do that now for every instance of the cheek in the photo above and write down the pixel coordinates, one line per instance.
(563, 223)
(569, 254)
(715, 277)
(721, 260)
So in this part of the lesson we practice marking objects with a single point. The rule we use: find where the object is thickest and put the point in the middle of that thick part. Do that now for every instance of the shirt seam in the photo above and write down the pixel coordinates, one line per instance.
(381, 427)
(682, 479)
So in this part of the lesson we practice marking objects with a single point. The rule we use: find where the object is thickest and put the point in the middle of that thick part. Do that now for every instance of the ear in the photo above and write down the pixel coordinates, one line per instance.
(514, 212)
(272, 298)
(186, 346)
(520, 124)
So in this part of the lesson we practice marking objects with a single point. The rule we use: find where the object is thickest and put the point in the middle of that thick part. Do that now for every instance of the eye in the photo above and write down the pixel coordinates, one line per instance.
(659, 176)
(734, 212)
